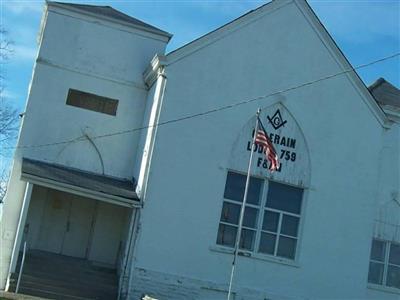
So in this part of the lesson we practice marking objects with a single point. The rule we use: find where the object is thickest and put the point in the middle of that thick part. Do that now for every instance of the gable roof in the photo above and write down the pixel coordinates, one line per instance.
(218, 30)
(221, 27)
(110, 13)
(385, 93)
(321, 31)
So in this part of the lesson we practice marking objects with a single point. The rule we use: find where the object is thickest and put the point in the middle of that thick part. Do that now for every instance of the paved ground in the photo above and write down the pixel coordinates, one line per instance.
(8, 296)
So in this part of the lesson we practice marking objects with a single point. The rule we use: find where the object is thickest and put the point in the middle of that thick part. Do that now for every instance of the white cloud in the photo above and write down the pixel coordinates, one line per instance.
(9, 95)
(23, 33)
(360, 21)
(24, 53)
(229, 8)
(21, 7)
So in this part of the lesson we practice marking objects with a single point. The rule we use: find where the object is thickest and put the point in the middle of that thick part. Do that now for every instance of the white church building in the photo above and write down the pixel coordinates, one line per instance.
(130, 167)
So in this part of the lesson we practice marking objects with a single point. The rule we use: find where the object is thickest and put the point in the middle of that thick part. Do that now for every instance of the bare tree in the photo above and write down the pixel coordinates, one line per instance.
(8, 113)
(6, 45)
(8, 123)
(4, 175)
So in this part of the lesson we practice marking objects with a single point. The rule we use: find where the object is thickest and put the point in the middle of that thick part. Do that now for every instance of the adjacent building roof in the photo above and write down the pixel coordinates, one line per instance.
(113, 186)
(385, 93)
(111, 13)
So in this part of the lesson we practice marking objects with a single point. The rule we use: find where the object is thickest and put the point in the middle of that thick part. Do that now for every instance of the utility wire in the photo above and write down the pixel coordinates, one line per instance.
(214, 110)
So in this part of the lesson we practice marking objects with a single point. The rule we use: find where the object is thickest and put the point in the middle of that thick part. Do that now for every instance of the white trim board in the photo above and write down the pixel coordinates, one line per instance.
(80, 191)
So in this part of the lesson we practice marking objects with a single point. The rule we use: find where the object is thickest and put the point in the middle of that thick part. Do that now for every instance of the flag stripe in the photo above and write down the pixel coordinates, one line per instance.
(263, 140)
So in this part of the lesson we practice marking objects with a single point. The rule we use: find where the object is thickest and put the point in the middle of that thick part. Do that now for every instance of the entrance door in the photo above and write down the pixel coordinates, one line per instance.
(79, 226)
(67, 224)
(55, 217)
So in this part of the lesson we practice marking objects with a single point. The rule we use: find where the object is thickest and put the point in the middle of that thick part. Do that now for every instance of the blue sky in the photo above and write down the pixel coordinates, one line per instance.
(365, 30)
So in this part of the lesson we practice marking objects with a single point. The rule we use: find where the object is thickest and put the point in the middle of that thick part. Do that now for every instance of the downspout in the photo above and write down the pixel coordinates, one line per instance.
(155, 75)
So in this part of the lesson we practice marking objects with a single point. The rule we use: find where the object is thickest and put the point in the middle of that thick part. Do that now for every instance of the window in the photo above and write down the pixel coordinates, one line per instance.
(271, 219)
(384, 266)
(92, 102)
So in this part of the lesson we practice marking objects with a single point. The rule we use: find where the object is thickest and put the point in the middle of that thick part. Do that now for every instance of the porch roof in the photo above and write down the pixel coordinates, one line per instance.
(71, 177)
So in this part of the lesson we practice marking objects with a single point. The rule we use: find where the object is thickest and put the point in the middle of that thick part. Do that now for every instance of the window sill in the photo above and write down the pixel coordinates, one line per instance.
(383, 288)
(278, 260)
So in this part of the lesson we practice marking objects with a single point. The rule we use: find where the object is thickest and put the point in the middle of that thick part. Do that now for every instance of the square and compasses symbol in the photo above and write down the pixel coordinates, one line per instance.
(276, 120)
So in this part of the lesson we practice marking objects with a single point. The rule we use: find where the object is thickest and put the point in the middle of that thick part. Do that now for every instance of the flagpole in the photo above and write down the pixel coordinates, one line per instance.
(239, 234)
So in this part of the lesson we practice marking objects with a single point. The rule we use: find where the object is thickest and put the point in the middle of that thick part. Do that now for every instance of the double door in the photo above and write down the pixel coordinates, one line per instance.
(67, 224)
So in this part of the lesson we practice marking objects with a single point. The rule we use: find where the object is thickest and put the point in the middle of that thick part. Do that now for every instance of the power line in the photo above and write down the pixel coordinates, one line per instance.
(214, 110)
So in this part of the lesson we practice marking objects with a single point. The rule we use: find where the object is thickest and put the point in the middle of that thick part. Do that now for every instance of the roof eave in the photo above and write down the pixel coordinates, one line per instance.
(325, 37)
(165, 35)
(80, 191)
(221, 31)
(350, 72)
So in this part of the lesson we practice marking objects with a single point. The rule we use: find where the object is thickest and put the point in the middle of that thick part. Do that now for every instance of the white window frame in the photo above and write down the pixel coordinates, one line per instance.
(386, 265)
(258, 230)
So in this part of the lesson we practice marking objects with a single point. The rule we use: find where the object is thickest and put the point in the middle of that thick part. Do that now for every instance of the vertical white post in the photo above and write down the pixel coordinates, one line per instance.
(21, 269)
(153, 121)
(238, 236)
(20, 230)
(123, 283)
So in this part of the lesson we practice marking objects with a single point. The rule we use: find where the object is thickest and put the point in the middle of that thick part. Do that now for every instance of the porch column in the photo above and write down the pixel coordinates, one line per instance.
(20, 230)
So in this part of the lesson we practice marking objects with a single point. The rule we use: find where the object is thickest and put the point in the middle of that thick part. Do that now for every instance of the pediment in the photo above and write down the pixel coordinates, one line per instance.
(288, 140)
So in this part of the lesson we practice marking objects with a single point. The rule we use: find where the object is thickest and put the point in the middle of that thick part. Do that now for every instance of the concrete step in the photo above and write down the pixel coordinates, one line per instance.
(74, 274)
(66, 278)
(64, 262)
(85, 265)
(49, 295)
(79, 282)
(72, 283)
(58, 261)
(67, 268)
(59, 292)
(19, 296)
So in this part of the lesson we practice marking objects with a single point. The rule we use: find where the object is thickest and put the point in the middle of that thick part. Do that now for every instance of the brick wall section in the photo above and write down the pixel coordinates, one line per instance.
(164, 286)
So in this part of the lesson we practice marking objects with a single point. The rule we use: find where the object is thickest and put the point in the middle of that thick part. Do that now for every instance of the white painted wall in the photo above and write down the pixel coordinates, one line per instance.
(71, 122)
(97, 56)
(387, 218)
(98, 47)
(174, 256)
(387, 209)
(88, 58)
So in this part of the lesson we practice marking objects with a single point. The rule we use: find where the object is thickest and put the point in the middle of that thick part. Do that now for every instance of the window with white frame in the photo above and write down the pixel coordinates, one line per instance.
(384, 266)
(271, 219)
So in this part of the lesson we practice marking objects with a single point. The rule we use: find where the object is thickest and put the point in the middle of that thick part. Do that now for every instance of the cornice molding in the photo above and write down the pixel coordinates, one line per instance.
(91, 17)
(49, 63)
(393, 113)
(155, 69)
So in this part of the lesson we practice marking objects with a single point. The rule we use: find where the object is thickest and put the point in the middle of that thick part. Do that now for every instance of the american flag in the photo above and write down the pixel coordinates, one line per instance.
(263, 140)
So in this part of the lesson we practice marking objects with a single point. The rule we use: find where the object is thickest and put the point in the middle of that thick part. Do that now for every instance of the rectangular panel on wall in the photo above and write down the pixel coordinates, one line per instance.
(92, 102)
